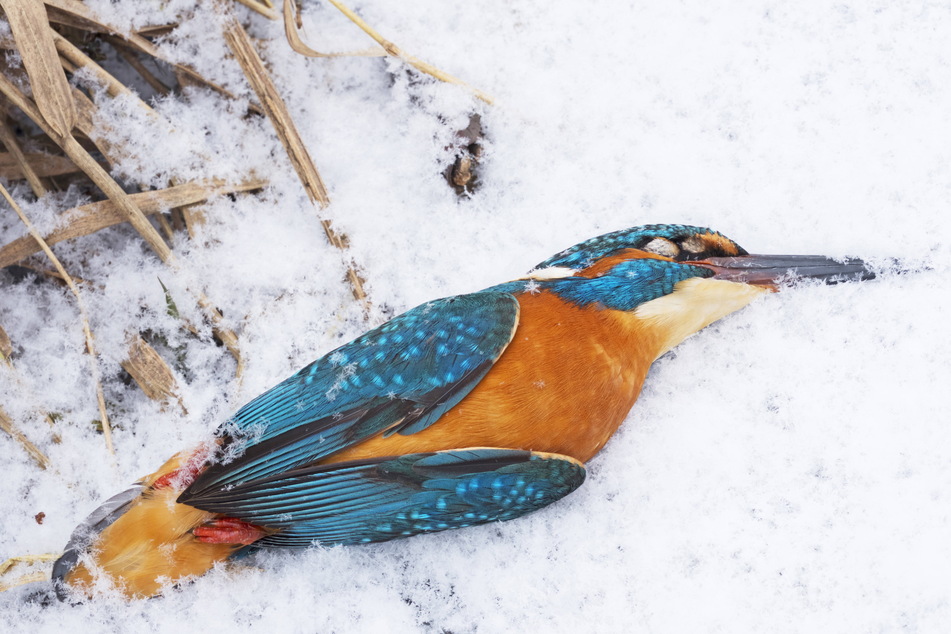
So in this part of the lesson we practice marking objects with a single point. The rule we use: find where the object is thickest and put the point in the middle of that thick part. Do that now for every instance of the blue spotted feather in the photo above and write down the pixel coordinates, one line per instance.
(385, 498)
(398, 378)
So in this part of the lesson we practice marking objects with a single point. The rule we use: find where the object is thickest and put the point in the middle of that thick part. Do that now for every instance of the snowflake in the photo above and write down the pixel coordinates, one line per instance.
(532, 287)
(337, 358)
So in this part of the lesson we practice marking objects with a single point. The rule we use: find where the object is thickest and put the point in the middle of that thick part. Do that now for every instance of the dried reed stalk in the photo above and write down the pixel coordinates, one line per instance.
(240, 44)
(133, 60)
(114, 87)
(87, 219)
(32, 577)
(291, 30)
(395, 51)
(76, 14)
(260, 8)
(6, 424)
(6, 347)
(42, 165)
(78, 155)
(28, 578)
(34, 37)
(9, 141)
(90, 347)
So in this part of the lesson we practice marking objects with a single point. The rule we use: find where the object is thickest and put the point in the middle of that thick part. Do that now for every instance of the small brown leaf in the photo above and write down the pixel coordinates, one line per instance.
(149, 370)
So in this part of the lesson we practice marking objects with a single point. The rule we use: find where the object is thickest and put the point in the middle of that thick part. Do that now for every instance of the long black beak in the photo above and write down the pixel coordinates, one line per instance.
(772, 271)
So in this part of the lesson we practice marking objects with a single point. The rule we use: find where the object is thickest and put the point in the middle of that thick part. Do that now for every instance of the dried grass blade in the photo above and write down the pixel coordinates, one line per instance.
(26, 559)
(257, 75)
(6, 424)
(43, 165)
(32, 577)
(9, 141)
(106, 427)
(291, 20)
(87, 219)
(240, 44)
(132, 60)
(114, 192)
(114, 87)
(415, 62)
(259, 8)
(34, 38)
(77, 14)
(6, 346)
(78, 155)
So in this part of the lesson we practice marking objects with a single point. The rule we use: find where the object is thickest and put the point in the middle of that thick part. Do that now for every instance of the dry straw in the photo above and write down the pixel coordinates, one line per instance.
(52, 38)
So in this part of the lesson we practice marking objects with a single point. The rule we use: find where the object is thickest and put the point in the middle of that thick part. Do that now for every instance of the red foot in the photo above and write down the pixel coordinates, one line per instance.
(228, 530)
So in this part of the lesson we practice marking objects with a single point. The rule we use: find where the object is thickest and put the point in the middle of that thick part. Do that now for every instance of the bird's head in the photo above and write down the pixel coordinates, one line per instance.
(678, 279)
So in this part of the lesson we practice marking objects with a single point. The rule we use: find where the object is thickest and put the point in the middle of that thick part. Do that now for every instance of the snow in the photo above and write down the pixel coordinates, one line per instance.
(784, 470)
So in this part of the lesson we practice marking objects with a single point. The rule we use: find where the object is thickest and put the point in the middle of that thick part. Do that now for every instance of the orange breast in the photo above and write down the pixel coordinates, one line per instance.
(564, 385)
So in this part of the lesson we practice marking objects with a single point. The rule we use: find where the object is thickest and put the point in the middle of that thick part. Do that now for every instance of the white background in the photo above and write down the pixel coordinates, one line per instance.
(786, 470)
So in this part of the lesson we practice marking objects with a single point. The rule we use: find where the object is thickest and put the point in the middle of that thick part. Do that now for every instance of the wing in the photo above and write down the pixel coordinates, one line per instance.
(398, 378)
(385, 498)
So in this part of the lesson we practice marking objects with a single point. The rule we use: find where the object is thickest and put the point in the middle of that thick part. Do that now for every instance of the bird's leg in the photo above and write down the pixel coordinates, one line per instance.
(228, 530)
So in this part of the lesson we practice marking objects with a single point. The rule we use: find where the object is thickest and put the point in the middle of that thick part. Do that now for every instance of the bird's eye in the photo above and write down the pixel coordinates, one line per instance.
(662, 246)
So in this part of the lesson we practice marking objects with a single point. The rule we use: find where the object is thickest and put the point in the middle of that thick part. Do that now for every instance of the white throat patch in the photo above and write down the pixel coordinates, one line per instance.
(695, 303)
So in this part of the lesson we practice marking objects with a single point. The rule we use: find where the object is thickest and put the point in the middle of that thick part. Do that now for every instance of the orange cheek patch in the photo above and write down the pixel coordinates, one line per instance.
(716, 243)
(605, 264)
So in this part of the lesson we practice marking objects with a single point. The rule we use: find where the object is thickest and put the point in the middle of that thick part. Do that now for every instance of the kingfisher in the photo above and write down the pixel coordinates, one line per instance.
(465, 410)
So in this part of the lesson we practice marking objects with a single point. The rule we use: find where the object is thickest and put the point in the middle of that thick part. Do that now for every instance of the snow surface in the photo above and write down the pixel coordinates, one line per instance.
(786, 470)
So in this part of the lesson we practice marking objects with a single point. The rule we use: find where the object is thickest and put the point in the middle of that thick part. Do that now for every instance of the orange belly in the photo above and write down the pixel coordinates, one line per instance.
(564, 385)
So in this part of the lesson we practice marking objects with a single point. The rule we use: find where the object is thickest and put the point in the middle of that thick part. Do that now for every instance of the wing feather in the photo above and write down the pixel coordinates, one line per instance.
(398, 378)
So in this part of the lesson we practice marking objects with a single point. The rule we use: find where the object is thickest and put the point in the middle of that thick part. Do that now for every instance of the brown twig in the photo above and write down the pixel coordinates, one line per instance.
(240, 44)
(150, 372)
